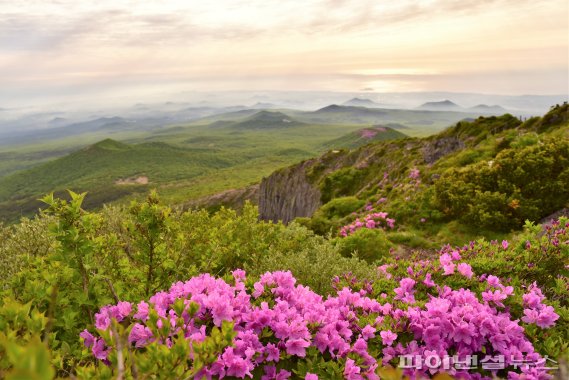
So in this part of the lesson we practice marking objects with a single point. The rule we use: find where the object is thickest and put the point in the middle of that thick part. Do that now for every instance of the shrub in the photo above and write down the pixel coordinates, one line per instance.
(342, 182)
(368, 244)
(518, 185)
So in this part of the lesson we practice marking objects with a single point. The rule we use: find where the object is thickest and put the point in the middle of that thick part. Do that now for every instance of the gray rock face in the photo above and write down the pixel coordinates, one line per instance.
(440, 148)
(287, 194)
(556, 215)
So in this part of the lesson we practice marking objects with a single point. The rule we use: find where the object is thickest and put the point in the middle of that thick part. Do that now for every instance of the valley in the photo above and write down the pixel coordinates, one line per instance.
(185, 161)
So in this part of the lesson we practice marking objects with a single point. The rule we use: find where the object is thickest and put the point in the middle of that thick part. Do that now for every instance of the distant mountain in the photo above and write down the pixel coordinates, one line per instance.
(422, 121)
(107, 145)
(98, 123)
(361, 102)
(331, 108)
(104, 125)
(486, 109)
(263, 105)
(445, 105)
(364, 136)
(267, 119)
(58, 122)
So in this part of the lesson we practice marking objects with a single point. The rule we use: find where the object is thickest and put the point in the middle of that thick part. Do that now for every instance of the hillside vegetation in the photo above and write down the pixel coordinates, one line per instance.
(182, 162)
(87, 295)
(480, 178)
(366, 136)
(426, 250)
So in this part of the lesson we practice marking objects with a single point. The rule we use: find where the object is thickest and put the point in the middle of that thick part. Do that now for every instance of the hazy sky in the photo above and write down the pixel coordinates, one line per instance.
(59, 48)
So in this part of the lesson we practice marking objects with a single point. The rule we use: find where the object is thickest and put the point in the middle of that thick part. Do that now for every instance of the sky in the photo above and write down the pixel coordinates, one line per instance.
(52, 50)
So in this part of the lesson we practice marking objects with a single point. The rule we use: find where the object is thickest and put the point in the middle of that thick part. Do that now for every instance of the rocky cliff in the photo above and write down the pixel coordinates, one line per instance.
(287, 194)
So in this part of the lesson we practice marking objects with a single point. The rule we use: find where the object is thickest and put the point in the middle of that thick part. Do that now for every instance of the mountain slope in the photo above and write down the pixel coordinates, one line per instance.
(486, 109)
(364, 136)
(495, 169)
(102, 168)
(266, 120)
(445, 105)
(361, 102)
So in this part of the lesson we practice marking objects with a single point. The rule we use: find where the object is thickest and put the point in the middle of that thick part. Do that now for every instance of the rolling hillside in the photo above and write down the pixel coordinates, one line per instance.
(191, 160)
(181, 162)
(478, 178)
(364, 136)
(109, 170)
(263, 120)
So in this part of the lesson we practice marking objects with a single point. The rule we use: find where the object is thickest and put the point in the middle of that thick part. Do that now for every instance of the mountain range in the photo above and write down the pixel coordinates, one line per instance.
(447, 105)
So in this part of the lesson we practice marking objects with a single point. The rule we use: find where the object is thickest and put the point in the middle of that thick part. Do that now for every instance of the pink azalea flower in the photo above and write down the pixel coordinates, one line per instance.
(445, 259)
(100, 351)
(428, 281)
(142, 311)
(465, 270)
(297, 347)
(368, 332)
(139, 335)
(448, 269)
(88, 338)
(388, 337)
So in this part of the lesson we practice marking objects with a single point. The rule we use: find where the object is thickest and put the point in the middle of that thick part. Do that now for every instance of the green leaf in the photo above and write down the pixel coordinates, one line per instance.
(31, 362)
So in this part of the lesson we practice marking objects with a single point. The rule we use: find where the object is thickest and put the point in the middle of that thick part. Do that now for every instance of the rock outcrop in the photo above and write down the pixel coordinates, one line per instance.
(441, 147)
(287, 194)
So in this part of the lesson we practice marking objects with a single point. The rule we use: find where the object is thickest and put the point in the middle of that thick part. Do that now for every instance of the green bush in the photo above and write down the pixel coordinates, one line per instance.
(342, 182)
(370, 245)
(314, 261)
(329, 218)
(20, 242)
(518, 185)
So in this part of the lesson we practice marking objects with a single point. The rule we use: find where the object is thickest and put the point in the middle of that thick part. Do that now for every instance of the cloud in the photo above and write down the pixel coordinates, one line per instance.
(291, 44)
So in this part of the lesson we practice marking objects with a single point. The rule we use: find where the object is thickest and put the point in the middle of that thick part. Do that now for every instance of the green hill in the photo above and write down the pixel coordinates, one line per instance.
(266, 120)
(364, 136)
(105, 169)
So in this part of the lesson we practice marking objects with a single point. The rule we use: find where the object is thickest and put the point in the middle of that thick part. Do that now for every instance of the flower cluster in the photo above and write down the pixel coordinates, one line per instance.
(278, 322)
(371, 221)
(535, 311)
(456, 323)
(415, 173)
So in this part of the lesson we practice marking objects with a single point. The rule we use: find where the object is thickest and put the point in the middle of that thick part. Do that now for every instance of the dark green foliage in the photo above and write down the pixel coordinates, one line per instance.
(482, 127)
(98, 258)
(370, 245)
(312, 259)
(518, 185)
(341, 183)
(329, 217)
(557, 116)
